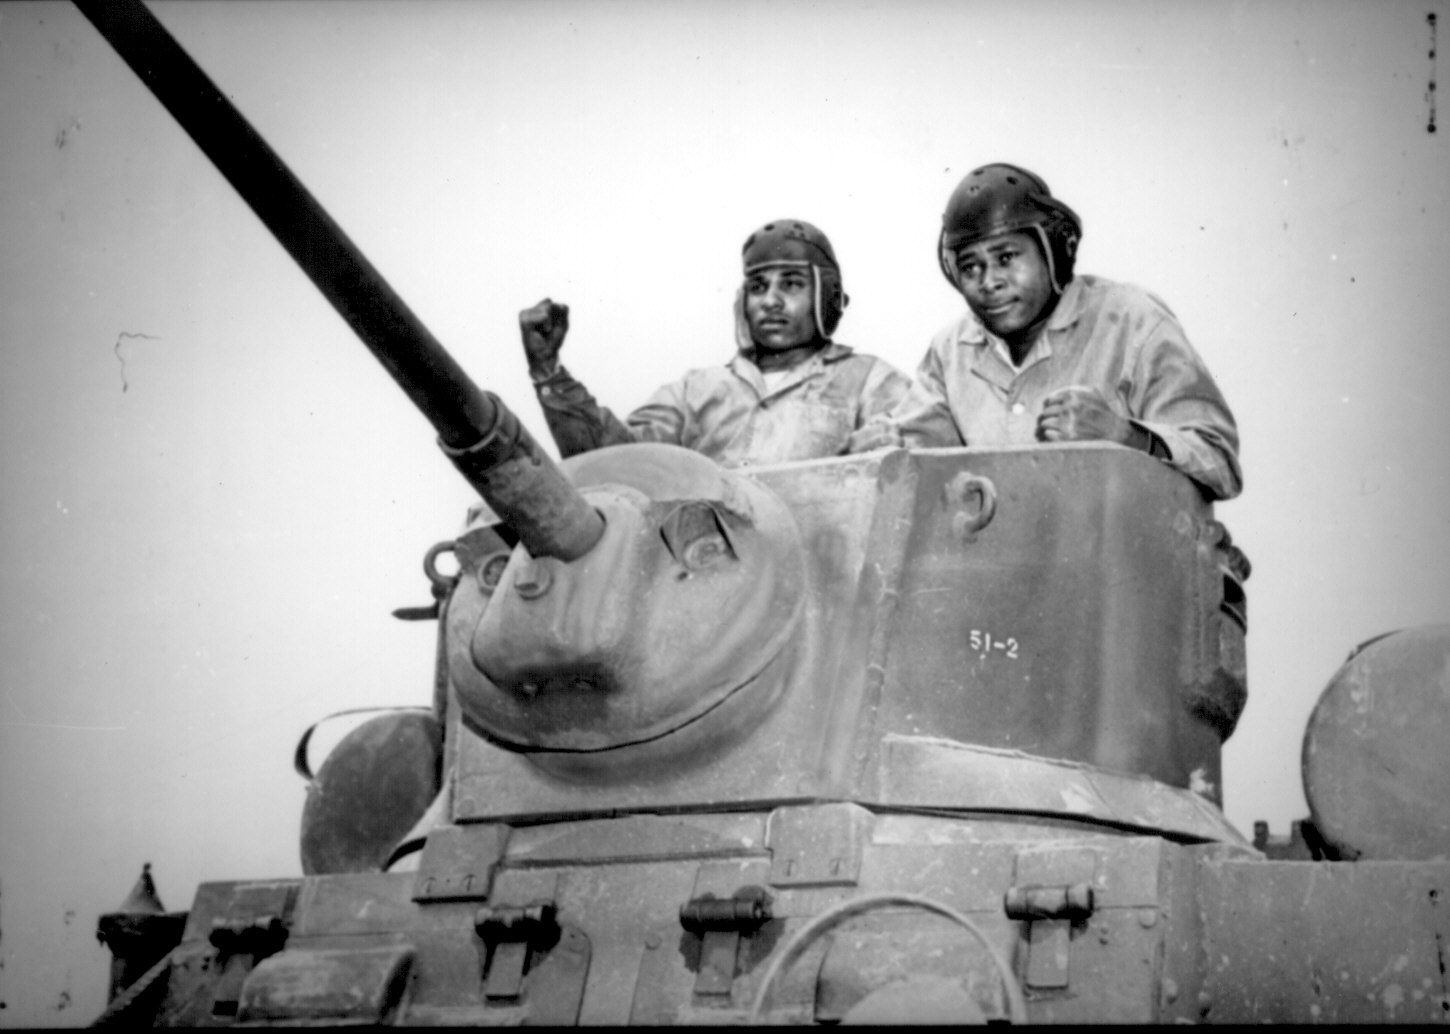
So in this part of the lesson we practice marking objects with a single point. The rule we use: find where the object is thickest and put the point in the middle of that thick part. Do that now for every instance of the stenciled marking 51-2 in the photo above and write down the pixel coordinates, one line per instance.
(984, 644)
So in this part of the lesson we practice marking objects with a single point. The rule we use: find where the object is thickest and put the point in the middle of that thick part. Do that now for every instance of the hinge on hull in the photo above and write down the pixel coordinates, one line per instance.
(1048, 910)
(513, 936)
(721, 923)
(530, 957)
(1049, 913)
(254, 928)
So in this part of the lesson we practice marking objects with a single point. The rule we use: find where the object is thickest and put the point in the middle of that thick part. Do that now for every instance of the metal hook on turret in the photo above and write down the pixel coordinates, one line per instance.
(975, 497)
(442, 585)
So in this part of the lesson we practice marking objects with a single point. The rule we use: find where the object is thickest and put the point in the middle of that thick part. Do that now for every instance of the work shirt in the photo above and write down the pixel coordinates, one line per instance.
(1115, 337)
(817, 409)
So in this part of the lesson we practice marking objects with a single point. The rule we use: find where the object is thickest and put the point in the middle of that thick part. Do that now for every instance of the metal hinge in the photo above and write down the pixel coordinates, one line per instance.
(530, 956)
(720, 924)
(1052, 894)
(514, 937)
(1049, 912)
(255, 928)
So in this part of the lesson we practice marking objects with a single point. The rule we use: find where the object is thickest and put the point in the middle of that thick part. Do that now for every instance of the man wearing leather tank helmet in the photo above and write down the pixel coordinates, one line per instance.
(1043, 355)
(791, 392)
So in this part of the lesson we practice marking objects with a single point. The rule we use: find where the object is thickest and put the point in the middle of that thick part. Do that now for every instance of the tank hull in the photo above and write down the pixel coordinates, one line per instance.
(1205, 932)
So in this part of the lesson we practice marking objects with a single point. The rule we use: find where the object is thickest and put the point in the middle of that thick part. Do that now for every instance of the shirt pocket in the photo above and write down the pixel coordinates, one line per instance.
(826, 420)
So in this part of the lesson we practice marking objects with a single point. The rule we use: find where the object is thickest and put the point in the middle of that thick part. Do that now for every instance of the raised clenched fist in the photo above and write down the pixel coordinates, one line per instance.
(542, 328)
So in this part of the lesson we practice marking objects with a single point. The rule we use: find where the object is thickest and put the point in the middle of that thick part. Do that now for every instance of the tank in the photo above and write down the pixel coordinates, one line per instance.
(907, 736)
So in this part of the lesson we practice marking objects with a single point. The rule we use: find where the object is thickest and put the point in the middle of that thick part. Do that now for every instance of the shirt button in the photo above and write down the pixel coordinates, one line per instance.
(1019, 408)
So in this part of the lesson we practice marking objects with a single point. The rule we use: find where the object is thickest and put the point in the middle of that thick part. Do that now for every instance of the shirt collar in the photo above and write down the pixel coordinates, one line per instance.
(992, 362)
(830, 354)
(834, 350)
(744, 367)
(1069, 306)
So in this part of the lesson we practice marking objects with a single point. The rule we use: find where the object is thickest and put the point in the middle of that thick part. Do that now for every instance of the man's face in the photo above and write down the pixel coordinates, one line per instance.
(1006, 282)
(780, 307)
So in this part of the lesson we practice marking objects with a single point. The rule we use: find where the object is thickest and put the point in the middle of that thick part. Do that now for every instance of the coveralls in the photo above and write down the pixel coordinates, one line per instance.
(1112, 336)
(818, 409)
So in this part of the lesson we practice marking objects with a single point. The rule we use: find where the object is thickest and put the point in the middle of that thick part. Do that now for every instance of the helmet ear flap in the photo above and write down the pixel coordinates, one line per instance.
(944, 259)
(831, 300)
(1062, 237)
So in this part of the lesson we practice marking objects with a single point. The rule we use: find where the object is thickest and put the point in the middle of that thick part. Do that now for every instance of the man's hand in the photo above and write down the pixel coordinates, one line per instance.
(543, 328)
(877, 434)
(1079, 414)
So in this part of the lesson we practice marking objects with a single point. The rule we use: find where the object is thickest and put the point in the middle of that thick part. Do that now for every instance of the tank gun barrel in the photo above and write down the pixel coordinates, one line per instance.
(485, 439)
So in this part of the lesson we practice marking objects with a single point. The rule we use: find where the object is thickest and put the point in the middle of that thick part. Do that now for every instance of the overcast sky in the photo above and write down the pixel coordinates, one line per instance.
(211, 496)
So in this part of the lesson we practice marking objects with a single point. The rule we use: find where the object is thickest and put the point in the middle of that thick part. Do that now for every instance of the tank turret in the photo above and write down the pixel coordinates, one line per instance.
(909, 735)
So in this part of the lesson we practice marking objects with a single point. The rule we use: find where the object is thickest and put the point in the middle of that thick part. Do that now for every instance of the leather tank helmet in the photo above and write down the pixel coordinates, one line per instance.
(999, 198)
(794, 242)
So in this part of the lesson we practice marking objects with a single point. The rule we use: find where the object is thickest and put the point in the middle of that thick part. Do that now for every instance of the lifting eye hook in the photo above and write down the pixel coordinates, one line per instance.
(442, 585)
(974, 500)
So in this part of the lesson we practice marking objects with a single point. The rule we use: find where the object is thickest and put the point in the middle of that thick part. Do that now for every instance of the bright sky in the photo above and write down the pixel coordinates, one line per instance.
(213, 496)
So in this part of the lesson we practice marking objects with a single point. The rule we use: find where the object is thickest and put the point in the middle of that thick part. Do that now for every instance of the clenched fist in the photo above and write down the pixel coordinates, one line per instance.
(1080, 414)
(542, 328)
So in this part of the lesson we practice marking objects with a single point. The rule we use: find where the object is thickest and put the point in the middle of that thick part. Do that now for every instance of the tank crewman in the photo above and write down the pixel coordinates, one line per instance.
(789, 393)
(1043, 355)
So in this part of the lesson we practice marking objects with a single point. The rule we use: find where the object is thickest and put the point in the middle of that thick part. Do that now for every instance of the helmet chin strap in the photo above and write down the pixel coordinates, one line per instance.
(1051, 262)
(818, 303)
(743, 341)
